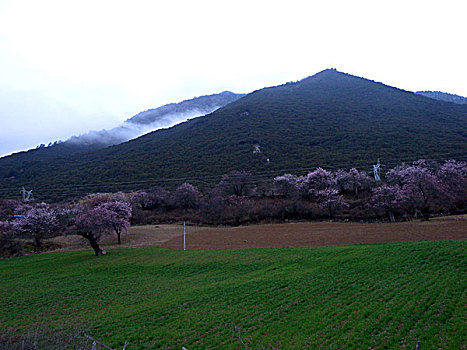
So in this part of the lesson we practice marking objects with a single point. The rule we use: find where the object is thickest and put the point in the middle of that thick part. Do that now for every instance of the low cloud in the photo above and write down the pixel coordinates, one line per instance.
(130, 129)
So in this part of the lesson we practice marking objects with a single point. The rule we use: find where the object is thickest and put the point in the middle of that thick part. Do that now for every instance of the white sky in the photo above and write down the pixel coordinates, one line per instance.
(67, 67)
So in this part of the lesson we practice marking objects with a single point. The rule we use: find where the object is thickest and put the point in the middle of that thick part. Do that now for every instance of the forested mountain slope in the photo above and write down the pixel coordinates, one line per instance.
(141, 123)
(331, 119)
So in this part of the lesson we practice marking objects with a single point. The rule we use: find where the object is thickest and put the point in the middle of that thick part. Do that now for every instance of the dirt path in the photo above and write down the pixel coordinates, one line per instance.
(316, 234)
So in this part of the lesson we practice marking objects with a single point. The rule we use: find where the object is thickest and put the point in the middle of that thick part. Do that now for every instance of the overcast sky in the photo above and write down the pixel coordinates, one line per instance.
(67, 67)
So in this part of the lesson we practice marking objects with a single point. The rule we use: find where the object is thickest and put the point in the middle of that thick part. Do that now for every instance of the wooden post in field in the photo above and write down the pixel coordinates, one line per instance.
(184, 236)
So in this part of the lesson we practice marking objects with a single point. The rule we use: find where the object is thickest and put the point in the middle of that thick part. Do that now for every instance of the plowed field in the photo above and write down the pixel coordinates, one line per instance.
(316, 234)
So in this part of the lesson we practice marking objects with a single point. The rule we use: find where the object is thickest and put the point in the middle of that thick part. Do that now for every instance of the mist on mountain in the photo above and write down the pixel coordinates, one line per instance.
(444, 96)
(154, 119)
(130, 130)
(140, 124)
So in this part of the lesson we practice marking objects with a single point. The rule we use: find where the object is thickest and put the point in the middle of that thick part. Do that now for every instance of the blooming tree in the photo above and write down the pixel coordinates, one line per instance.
(10, 207)
(286, 185)
(420, 184)
(388, 197)
(353, 181)
(38, 222)
(321, 186)
(100, 214)
(330, 199)
(316, 181)
(6, 226)
(91, 223)
(186, 196)
(120, 214)
(453, 175)
(141, 199)
(155, 198)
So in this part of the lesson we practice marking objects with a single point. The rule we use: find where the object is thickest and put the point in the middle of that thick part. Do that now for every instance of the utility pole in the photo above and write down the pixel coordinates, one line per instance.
(26, 195)
(184, 236)
(376, 171)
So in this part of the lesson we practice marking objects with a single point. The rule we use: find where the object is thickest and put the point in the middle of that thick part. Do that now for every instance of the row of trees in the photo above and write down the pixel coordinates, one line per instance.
(421, 188)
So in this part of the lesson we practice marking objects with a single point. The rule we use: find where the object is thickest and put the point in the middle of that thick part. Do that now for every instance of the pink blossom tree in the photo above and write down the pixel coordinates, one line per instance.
(420, 185)
(353, 181)
(389, 198)
(38, 222)
(321, 186)
(286, 185)
(156, 198)
(6, 226)
(10, 207)
(119, 216)
(186, 196)
(330, 199)
(141, 199)
(316, 181)
(91, 223)
(453, 175)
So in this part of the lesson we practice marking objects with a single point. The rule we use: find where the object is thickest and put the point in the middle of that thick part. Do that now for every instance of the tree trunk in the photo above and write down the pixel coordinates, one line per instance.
(93, 242)
(95, 245)
(118, 231)
(391, 216)
(37, 241)
(426, 207)
(426, 214)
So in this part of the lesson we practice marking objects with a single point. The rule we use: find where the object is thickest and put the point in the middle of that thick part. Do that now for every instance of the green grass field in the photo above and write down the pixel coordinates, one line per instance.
(353, 297)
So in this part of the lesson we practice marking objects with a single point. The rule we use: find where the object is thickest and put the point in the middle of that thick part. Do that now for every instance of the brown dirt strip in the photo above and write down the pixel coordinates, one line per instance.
(135, 237)
(317, 234)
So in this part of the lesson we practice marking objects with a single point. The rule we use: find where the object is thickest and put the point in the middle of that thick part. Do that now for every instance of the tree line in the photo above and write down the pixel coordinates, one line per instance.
(420, 189)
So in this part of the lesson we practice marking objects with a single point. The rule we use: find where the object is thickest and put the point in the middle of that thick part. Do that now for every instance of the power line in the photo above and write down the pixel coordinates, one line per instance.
(74, 189)
(191, 178)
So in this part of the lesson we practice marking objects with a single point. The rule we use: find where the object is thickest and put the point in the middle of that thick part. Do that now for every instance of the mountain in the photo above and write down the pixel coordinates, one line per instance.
(331, 119)
(144, 122)
(196, 106)
(443, 96)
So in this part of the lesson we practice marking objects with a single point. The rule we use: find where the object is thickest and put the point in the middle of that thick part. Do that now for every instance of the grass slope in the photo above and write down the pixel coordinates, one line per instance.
(353, 297)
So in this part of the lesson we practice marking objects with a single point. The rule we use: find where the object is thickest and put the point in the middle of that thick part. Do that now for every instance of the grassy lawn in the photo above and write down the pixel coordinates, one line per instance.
(353, 297)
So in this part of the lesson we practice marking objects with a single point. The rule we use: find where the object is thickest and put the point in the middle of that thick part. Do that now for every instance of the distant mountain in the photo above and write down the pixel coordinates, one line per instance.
(153, 119)
(443, 96)
(332, 119)
(196, 106)
(144, 122)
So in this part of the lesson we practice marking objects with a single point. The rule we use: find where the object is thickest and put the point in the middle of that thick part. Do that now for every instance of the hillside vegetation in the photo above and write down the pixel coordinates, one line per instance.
(353, 297)
(331, 119)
